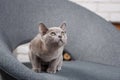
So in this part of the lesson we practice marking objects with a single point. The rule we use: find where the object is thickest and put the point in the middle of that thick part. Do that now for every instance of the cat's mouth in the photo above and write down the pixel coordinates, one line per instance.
(61, 40)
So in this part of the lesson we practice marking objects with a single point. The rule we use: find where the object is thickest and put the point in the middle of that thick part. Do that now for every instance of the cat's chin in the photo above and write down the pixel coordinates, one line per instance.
(60, 43)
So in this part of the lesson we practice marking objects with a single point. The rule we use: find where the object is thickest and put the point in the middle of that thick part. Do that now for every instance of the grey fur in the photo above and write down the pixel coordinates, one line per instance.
(48, 46)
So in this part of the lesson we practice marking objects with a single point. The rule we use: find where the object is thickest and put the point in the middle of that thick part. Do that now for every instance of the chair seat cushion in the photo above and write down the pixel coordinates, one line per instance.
(81, 70)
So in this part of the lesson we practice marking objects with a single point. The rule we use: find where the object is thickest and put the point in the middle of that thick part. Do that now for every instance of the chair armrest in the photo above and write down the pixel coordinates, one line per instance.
(13, 67)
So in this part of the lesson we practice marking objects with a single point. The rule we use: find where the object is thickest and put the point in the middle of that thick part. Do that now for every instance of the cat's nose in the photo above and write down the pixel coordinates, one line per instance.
(60, 36)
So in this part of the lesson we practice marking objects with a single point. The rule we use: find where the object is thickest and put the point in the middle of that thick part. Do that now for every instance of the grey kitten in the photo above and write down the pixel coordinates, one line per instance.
(47, 47)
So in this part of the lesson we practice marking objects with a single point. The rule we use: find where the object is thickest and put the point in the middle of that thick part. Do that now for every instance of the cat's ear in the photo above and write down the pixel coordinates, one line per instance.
(63, 26)
(42, 29)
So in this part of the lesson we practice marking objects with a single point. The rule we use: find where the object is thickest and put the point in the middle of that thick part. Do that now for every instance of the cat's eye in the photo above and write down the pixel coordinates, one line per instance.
(62, 33)
(53, 33)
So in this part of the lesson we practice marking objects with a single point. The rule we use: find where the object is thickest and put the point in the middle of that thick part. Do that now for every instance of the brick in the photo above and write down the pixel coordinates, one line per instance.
(115, 17)
(115, 1)
(99, 0)
(90, 1)
(90, 6)
(109, 7)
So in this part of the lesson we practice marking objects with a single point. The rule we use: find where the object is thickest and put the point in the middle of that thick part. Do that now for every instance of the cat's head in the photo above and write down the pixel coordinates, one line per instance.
(54, 35)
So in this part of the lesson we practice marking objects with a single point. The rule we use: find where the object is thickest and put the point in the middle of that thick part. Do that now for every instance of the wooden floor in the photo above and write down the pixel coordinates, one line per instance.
(117, 25)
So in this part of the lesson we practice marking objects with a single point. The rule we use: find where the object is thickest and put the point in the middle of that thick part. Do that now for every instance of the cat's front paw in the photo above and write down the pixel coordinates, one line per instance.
(59, 68)
(51, 70)
(38, 70)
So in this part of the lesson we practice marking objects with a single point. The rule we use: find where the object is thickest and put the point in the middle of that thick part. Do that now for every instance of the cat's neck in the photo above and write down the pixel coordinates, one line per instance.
(49, 46)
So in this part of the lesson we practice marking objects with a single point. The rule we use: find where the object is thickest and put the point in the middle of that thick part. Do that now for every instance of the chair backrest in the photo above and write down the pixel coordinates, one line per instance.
(90, 37)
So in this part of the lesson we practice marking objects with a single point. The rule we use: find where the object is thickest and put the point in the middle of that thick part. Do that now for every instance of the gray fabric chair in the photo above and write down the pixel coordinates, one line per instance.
(93, 42)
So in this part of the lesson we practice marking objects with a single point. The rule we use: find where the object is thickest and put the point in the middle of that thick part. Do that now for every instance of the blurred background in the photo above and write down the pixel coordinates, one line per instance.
(107, 9)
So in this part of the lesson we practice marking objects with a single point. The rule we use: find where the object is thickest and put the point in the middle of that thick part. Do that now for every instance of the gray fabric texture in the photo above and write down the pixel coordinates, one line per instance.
(90, 38)
(82, 70)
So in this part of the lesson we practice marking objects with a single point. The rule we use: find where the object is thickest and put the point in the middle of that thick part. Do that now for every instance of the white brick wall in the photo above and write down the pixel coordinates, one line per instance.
(108, 9)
